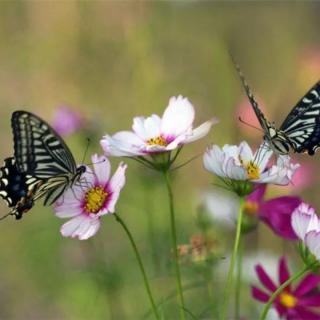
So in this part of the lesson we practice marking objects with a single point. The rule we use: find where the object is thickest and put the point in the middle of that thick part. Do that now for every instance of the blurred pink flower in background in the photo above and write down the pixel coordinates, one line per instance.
(67, 121)
(292, 303)
(245, 112)
(95, 196)
(309, 65)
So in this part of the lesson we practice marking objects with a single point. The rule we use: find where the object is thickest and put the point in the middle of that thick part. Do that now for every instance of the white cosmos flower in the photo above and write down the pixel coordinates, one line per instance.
(306, 225)
(240, 163)
(154, 134)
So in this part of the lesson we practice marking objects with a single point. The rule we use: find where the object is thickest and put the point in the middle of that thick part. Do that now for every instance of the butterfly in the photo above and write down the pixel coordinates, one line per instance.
(17, 189)
(300, 131)
(42, 155)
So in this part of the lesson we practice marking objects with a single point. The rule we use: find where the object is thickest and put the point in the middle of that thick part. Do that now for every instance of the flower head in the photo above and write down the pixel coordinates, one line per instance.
(291, 303)
(154, 135)
(306, 225)
(96, 195)
(275, 213)
(239, 163)
(66, 121)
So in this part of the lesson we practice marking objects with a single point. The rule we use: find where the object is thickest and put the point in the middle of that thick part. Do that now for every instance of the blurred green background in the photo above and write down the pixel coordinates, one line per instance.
(112, 61)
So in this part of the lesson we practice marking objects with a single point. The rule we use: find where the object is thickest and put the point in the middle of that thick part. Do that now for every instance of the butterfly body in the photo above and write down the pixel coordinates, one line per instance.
(300, 131)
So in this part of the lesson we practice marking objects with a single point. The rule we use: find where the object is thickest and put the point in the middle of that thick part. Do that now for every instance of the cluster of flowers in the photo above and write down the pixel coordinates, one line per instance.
(156, 142)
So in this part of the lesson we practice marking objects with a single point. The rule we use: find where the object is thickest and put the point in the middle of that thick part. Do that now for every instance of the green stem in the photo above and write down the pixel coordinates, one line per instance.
(275, 294)
(228, 289)
(238, 281)
(175, 246)
(144, 275)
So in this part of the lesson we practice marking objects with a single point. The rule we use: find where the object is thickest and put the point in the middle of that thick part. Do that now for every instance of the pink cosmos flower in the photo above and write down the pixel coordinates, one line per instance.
(292, 303)
(155, 135)
(87, 202)
(66, 121)
(306, 225)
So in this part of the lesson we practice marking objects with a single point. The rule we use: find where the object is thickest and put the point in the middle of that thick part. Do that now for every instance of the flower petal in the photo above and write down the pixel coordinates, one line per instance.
(102, 169)
(178, 117)
(310, 301)
(308, 283)
(213, 159)
(312, 241)
(259, 295)
(81, 227)
(277, 212)
(305, 314)
(301, 218)
(147, 128)
(122, 144)
(284, 274)
(117, 182)
(201, 131)
(257, 195)
(264, 278)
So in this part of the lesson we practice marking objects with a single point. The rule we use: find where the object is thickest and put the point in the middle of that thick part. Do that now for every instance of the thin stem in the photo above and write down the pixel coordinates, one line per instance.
(175, 247)
(275, 294)
(228, 289)
(238, 281)
(144, 275)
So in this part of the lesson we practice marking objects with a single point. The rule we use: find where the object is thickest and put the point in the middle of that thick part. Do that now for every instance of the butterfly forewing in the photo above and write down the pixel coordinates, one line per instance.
(39, 150)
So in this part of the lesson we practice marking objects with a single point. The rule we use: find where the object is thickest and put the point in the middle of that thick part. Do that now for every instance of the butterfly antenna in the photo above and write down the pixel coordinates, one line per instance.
(86, 151)
(249, 125)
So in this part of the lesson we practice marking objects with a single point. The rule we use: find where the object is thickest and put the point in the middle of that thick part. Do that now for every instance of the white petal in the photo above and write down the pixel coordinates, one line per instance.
(244, 151)
(178, 117)
(122, 144)
(81, 227)
(222, 206)
(117, 182)
(102, 169)
(147, 128)
(262, 156)
(312, 241)
(200, 131)
(233, 170)
(300, 220)
(213, 159)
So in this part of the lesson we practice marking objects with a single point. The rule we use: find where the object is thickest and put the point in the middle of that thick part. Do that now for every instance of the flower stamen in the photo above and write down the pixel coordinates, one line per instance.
(95, 199)
(157, 141)
(288, 300)
(253, 171)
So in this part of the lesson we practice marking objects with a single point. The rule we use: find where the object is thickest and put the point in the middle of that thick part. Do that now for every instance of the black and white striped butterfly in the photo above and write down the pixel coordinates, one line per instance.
(300, 131)
(42, 155)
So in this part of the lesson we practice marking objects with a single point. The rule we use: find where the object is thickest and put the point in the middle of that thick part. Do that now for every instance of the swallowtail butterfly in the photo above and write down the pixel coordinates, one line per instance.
(300, 131)
(42, 155)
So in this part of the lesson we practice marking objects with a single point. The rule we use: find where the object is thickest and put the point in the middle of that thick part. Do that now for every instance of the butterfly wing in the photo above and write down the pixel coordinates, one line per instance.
(302, 125)
(265, 124)
(16, 188)
(38, 149)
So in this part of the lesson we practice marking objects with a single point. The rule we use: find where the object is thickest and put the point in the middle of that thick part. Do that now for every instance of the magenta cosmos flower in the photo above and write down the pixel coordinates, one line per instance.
(275, 212)
(87, 202)
(299, 303)
(155, 135)
(66, 121)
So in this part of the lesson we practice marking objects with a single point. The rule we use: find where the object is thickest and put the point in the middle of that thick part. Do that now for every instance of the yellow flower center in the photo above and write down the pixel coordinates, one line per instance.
(252, 171)
(250, 208)
(158, 141)
(288, 300)
(95, 199)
